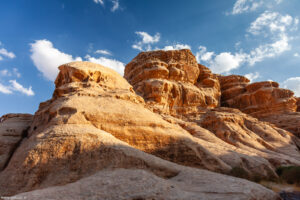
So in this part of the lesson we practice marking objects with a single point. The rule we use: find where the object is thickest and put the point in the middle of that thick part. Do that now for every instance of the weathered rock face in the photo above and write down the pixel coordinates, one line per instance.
(13, 128)
(298, 104)
(96, 132)
(172, 81)
(264, 100)
(258, 99)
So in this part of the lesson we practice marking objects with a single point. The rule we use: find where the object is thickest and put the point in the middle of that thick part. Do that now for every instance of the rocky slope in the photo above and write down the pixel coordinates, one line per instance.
(153, 137)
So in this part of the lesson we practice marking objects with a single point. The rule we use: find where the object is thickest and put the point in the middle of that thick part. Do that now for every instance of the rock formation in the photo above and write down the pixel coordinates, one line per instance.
(263, 100)
(153, 137)
(172, 82)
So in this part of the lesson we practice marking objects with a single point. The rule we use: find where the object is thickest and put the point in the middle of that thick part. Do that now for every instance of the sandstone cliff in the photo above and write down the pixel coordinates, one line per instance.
(153, 137)
(263, 100)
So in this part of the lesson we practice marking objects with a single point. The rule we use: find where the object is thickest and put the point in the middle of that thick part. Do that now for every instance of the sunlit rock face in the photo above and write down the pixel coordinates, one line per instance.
(258, 99)
(264, 100)
(173, 82)
(160, 127)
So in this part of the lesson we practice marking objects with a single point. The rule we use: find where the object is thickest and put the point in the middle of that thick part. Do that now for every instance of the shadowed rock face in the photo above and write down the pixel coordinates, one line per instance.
(98, 129)
(13, 128)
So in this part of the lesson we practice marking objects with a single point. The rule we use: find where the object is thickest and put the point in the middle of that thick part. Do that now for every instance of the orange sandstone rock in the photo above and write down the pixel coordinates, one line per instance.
(172, 81)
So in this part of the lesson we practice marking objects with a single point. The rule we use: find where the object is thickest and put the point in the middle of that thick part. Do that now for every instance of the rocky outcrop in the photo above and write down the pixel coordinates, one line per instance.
(258, 147)
(95, 121)
(298, 104)
(13, 128)
(258, 99)
(172, 82)
(163, 130)
(263, 100)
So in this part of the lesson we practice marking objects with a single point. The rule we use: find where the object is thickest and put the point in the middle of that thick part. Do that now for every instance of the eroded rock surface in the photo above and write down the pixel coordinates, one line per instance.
(258, 99)
(98, 129)
(172, 81)
(263, 100)
(13, 128)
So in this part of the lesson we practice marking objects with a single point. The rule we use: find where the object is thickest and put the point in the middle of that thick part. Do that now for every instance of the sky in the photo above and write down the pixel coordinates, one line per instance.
(256, 38)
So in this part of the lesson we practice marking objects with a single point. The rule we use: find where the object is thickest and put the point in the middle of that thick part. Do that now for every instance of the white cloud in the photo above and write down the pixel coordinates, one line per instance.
(177, 47)
(220, 63)
(147, 40)
(293, 84)
(4, 89)
(15, 86)
(7, 73)
(110, 63)
(296, 55)
(4, 52)
(103, 52)
(116, 5)
(47, 58)
(99, 1)
(252, 76)
(244, 6)
(274, 26)
(225, 62)
(18, 87)
(269, 50)
(270, 23)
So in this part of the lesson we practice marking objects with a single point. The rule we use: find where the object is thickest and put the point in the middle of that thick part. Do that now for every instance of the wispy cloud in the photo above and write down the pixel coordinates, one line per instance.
(5, 53)
(146, 41)
(252, 76)
(115, 4)
(293, 84)
(14, 86)
(8, 73)
(5, 89)
(99, 1)
(271, 26)
(244, 6)
(103, 52)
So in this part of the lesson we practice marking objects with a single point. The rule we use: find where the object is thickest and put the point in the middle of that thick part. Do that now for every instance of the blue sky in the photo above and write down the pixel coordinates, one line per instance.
(256, 38)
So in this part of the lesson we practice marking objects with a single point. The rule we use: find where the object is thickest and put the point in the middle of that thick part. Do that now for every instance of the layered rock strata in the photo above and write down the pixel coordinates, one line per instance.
(172, 82)
(263, 100)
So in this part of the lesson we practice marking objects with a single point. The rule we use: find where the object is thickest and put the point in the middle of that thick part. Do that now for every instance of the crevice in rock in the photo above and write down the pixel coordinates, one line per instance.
(16, 146)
